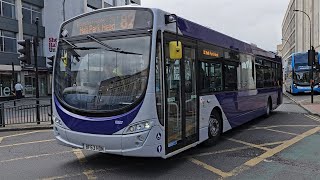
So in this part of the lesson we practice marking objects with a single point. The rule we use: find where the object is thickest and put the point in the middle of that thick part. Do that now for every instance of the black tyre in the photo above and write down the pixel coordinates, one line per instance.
(269, 108)
(215, 128)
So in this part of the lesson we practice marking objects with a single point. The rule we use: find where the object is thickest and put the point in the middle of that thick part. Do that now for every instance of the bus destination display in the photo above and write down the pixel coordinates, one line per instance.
(109, 21)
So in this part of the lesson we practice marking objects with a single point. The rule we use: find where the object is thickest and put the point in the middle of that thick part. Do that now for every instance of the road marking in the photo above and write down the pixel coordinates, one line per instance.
(276, 126)
(90, 174)
(75, 174)
(82, 159)
(253, 162)
(35, 156)
(248, 144)
(79, 154)
(21, 134)
(210, 168)
(283, 132)
(313, 118)
(32, 142)
(219, 152)
(232, 149)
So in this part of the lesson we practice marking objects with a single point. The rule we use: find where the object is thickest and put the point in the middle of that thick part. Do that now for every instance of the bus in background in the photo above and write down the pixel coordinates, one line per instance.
(137, 81)
(297, 74)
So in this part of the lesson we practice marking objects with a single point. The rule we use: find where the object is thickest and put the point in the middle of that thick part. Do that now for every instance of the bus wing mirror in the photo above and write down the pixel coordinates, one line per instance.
(175, 48)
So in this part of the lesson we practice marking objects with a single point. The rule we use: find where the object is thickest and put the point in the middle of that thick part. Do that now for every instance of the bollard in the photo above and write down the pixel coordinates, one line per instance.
(2, 122)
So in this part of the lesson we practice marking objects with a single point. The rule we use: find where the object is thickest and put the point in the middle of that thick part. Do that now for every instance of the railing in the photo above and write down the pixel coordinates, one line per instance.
(27, 110)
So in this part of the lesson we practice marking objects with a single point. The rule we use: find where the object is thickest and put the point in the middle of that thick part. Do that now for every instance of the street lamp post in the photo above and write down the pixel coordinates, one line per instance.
(311, 48)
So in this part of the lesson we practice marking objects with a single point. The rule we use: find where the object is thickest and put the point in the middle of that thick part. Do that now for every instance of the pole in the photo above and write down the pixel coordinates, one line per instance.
(13, 81)
(35, 49)
(311, 48)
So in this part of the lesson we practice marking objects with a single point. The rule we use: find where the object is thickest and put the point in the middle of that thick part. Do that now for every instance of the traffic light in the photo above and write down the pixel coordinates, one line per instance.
(51, 60)
(311, 57)
(25, 51)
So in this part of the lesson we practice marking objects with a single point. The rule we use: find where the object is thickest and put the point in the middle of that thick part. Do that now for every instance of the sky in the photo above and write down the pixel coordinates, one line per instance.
(252, 21)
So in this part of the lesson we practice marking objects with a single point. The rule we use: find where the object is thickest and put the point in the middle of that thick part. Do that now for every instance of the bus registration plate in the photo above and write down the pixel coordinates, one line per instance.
(93, 148)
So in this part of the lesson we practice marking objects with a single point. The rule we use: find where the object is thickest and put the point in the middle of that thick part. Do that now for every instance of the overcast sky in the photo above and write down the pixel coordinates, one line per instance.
(253, 21)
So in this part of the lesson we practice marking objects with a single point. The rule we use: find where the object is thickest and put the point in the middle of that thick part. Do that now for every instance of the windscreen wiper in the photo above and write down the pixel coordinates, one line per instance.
(73, 52)
(118, 50)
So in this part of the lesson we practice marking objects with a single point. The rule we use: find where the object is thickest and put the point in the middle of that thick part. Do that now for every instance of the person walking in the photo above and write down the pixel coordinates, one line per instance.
(18, 87)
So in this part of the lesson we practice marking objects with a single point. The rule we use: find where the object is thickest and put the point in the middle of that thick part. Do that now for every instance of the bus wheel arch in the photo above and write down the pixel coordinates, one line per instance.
(215, 126)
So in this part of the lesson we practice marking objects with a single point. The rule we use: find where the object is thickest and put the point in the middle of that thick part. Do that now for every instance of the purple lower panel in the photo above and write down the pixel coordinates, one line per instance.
(91, 125)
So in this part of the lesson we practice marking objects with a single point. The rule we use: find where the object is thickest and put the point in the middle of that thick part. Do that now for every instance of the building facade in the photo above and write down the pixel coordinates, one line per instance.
(17, 19)
(296, 27)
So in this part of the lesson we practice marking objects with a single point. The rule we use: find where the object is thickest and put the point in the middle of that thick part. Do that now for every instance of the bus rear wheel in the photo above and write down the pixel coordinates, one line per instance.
(214, 128)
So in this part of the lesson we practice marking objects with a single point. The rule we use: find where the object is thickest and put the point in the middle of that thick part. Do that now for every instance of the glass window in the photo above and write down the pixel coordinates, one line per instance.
(267, 74)
(247, 75)
(26, 15)
(211, 77)
(8, 41)
(30, 13)
(159, 94)
(10, 45)
(7, 8)
(230, 76)
(1, 44)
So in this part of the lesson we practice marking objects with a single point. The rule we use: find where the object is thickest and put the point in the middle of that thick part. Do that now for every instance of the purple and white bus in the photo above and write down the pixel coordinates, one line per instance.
(137, 81)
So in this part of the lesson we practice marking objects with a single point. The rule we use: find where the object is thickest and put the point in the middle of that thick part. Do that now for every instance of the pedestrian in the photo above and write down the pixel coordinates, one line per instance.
(18, 87)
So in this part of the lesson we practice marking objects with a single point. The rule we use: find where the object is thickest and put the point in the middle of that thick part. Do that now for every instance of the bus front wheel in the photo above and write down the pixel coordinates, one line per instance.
(269, 107)
(214, 128)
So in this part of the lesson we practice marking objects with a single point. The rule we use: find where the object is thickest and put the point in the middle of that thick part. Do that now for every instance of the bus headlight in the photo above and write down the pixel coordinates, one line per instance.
(139, 127)
(295, 85)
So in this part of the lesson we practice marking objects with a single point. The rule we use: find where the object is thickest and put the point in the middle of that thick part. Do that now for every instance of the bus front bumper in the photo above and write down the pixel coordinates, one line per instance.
(305, 89)
(142, 144)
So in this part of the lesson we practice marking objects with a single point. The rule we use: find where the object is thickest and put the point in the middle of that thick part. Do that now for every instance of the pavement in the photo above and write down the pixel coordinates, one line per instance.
(282, 146)
(304, 100)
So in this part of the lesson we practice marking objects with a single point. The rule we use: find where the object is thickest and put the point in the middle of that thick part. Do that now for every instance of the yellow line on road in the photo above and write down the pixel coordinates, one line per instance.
(74, 175)
(79, 154)
(313, 118)
(276, 126)
(32, 142)
(210, 168)
(35, 156)
(222, 151)
(21, 134)
(248, 144)
(90, 174)
(253, 162)
(283, 132)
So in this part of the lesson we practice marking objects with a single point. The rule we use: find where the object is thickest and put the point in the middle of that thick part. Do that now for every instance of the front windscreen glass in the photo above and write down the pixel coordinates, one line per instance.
(90, 76)
(302, 77)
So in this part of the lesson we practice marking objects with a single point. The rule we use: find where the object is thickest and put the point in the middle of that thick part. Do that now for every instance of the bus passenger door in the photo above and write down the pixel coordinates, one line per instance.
(181, 100)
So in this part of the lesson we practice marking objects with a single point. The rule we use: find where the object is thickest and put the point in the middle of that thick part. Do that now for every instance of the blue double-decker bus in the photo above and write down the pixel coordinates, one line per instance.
(137, 81)
(297, 74)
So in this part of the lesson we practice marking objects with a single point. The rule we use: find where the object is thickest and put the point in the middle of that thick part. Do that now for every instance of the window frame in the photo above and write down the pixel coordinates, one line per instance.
(9, 3)
(31, 9)
(7, 37)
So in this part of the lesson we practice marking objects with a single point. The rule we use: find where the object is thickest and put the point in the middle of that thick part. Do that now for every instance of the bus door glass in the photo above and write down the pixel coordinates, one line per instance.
(181, 100)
